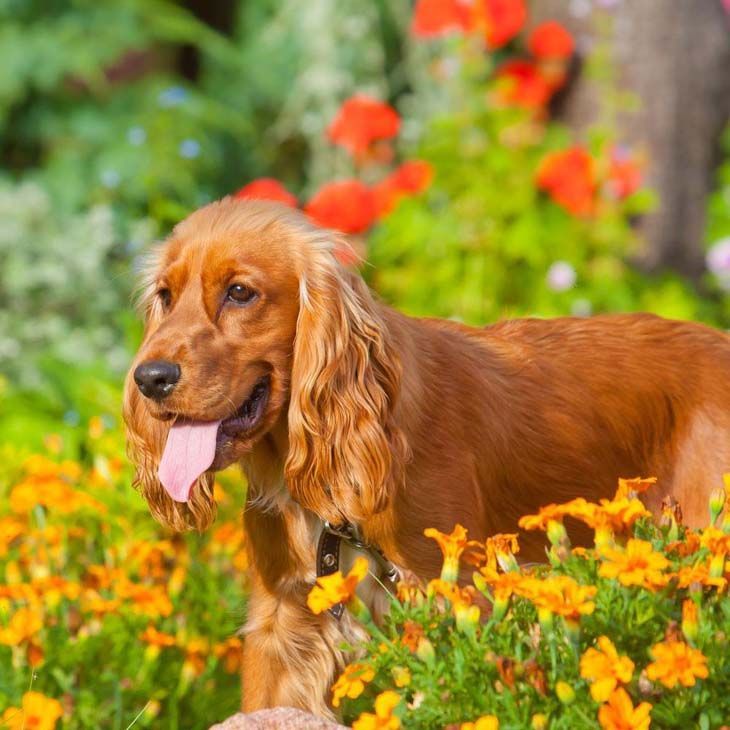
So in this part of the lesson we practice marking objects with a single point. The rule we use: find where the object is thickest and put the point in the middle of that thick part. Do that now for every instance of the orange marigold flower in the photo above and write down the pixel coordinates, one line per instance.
(10, 530)
(619, 713)
(412, 634)
(499, 20)
(153, 637)
(360, 121)
(146, 600)
(677, 663)
(410, 178)
(336, 588)
(231, 652)
(351, 683)
(604, 668)
(435, 18)
(344, 205)
(568, 177)
(715, 540)
(699, 574)
(522, 84)
(37, 712)
(485, 722)
(24, 624)
(551, 40)
(196, 653)
(383, 718)
(629, 488)
(541, 520)
(561, 595)
(266, 188)
(452, 546)
(638, 565)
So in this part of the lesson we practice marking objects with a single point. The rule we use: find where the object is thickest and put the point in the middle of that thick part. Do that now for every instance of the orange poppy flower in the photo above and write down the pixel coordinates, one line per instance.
(498, 20)
(677, 663)
(569, 178)
(435, 18)
(410, 178)
(619, 713)
(522, 84)
(551, 40)
(266, 188)
(360, 121)
(344, 205)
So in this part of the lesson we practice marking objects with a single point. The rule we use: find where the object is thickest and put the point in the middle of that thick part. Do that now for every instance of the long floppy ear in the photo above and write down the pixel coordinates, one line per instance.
(346, 451)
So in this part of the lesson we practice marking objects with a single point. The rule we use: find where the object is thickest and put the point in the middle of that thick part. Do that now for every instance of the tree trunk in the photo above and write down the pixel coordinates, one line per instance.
(675, 56)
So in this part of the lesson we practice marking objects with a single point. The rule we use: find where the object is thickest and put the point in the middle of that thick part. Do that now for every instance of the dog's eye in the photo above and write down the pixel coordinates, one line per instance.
(165, 296)
(240, 294)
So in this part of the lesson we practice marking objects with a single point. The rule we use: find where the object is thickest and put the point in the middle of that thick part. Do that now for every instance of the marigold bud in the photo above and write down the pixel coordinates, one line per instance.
(539, 722)
(565, 693)
(425, 651)
(690, 624)
(717, 503)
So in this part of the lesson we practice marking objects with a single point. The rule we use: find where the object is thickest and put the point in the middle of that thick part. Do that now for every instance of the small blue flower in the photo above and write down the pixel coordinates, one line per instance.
(136, 136)
(71, 418)
(172, 96)
(189, 149)
(110, 178)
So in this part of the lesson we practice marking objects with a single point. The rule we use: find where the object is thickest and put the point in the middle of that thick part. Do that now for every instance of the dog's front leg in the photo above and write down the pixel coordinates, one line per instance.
(291, 657)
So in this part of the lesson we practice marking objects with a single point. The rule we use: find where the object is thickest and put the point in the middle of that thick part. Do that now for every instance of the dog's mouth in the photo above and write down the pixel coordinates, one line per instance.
(193, 447)
(249, 415)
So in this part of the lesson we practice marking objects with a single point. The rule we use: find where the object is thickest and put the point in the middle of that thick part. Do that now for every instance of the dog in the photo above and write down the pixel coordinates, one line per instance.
(261, 349)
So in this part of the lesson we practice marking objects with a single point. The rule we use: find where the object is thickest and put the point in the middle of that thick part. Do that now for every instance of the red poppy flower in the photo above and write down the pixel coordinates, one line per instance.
(360, 121)
(551, 41)
(410, 178)
(434, 18)
(568, 177)
(345, 205)
(523, 84)
(499, 20)
(266, 188)
(624, 174)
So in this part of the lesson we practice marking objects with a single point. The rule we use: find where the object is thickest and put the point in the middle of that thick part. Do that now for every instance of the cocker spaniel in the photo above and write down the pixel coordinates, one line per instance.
(260, 348)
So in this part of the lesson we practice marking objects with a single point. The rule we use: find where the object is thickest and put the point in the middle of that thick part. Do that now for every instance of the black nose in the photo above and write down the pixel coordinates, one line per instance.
(157, 378)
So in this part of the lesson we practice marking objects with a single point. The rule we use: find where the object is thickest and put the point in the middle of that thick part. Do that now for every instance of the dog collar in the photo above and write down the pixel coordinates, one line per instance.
(328, 555)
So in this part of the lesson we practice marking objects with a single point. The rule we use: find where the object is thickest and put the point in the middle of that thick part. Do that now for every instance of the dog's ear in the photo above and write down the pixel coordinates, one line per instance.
(345, 449)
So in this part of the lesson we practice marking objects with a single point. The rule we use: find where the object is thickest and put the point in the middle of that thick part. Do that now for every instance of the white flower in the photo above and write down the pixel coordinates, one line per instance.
(561, 276)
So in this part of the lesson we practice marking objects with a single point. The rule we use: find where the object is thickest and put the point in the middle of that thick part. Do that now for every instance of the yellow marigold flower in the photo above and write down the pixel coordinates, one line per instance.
(619, 713)
(196, 652)
(383, 718)
(539, 721)
(604, 668)
(401, 676)
(37, 712)
(699, 574)
(92, 602)
(455, 595)
(96, 427)
(351, 683)
(540, 521)
(485, 722)
(24, 624)
(676, 662)
(715, 540)
(629, 488)
(231, 652)
(638, 565)
(336, 588)
(501, 549)
(147, 600)
(452, 546)
(153, 637)
(10, 530)
(561, 595)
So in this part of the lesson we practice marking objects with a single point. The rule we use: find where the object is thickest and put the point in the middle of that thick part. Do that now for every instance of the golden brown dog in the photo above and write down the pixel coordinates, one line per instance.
(261, 349)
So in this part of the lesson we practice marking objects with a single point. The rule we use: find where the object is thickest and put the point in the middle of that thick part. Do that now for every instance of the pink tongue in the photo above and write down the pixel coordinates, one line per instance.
(189, 451)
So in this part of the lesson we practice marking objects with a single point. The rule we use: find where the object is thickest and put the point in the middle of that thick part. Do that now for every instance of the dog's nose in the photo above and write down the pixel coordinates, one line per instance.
(156, 379)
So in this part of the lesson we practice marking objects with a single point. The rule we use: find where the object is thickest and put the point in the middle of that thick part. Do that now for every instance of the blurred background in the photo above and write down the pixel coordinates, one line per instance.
(488, 158)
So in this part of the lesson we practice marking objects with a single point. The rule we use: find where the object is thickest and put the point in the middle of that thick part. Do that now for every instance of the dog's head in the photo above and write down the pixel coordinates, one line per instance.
(251, 324)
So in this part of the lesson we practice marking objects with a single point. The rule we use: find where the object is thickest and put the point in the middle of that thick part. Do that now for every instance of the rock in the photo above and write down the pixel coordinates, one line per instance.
(279, 718)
